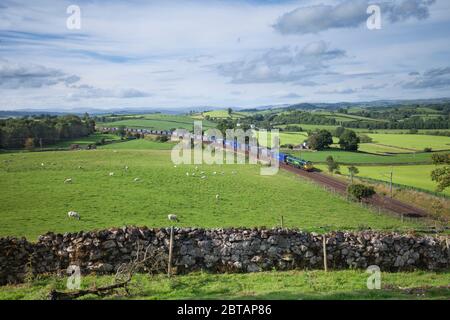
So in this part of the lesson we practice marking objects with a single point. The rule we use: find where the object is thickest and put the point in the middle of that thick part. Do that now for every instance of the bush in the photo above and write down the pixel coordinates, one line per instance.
(360, 191)
(427, 150)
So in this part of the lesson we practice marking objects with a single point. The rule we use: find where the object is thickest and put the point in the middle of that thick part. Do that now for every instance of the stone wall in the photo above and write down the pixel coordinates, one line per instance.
(221, 250)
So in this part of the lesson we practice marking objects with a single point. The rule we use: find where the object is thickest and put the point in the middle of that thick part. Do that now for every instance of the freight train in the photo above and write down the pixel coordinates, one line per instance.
(282, 157)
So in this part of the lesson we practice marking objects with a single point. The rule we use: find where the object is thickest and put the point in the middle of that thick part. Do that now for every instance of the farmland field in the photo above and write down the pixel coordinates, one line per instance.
(340, 285)
(247, 198)
(412, 142)
(223, 114)
(414, 176)
(157, 122)
(361, 157)
(92, 139)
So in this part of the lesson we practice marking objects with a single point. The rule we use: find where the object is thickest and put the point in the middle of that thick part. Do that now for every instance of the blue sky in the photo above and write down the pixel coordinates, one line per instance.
(220, 53)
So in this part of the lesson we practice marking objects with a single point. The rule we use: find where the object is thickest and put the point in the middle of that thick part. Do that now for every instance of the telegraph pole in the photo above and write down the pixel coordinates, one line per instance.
(390, 187)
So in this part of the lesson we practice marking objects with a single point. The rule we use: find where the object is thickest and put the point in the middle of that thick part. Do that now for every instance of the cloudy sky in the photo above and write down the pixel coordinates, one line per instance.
(238, 53)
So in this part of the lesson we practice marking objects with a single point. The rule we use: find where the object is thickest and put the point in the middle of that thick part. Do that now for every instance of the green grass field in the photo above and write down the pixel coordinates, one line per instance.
(92, 139)
(36, 200)
(412, 142)
(415, 176)
(158, 122)
(304, 285)
(139, 144)
(361, 157)
(220, 114)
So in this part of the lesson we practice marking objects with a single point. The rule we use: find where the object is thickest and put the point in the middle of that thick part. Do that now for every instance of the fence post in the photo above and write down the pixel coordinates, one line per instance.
(169, 268)
(282, 222)
(325, 265)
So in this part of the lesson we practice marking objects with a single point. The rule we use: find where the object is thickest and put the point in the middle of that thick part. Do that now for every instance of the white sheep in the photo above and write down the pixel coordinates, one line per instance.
(187, 174)
(217, 196)
(111, 174)
(68, 180)
(126, 167)
(73, 214)
(136, 179)
(193, 174)
(214, 173)
(203, 177)
(174, 166)
(42, 164)
(172, 217)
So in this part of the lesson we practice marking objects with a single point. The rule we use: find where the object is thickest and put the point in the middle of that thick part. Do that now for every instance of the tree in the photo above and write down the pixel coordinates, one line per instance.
(441, 175)
(360, 191)
(320, 140)
(353, 172)
(339, 131)
(230, 111)
(331, 164)
(349, 140)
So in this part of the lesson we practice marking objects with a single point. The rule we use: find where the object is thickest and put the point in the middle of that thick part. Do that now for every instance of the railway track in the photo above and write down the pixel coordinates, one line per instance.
(387, 203)
(339, 186)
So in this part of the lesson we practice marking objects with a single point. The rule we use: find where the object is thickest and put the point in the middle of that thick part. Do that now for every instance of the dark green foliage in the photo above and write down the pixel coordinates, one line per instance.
(48, 129)
(360, 191)
(441, 175)
(349, 140)
(331, 164)
(320, 140)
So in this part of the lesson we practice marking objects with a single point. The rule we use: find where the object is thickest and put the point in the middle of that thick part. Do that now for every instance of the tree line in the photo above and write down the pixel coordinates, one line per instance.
(35, 131)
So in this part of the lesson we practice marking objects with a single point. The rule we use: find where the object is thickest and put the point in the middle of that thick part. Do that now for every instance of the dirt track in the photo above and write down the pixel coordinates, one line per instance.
(340, 186)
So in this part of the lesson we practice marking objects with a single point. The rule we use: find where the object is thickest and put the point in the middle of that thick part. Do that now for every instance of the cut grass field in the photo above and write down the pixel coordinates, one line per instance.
(348, 284)
(412, 142)
(158, 122)
(35, 199)
(349, 157)
(222, 114)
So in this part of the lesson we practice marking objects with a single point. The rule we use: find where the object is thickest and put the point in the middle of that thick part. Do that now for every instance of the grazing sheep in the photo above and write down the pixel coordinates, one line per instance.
(174, 166)
(136, 179)
(214, 173)
(202, 172)
(173, 217)
(203, 177)
(80, 167)
(193, 174)
(111, 174)
(217, 196)
(187, 174)
(73, 214)
(68, 180)
(42, 164)
(126, 167)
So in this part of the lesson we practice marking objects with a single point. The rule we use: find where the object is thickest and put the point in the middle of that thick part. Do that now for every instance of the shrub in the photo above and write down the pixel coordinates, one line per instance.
(427, 150)
(360, 191)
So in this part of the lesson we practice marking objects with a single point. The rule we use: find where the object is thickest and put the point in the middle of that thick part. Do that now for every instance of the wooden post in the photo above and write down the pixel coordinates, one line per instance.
(169, 268)
(282, 221)
(325, 265)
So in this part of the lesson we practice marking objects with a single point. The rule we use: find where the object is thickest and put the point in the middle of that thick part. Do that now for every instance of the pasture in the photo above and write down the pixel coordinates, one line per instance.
(339, 285)
(348, 157)
(414, 176)
(412, 142)
(157, 122)
(35, 198)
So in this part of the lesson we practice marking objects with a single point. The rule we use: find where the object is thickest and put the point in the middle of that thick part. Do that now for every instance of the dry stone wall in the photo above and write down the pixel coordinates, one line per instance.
(220, 250)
